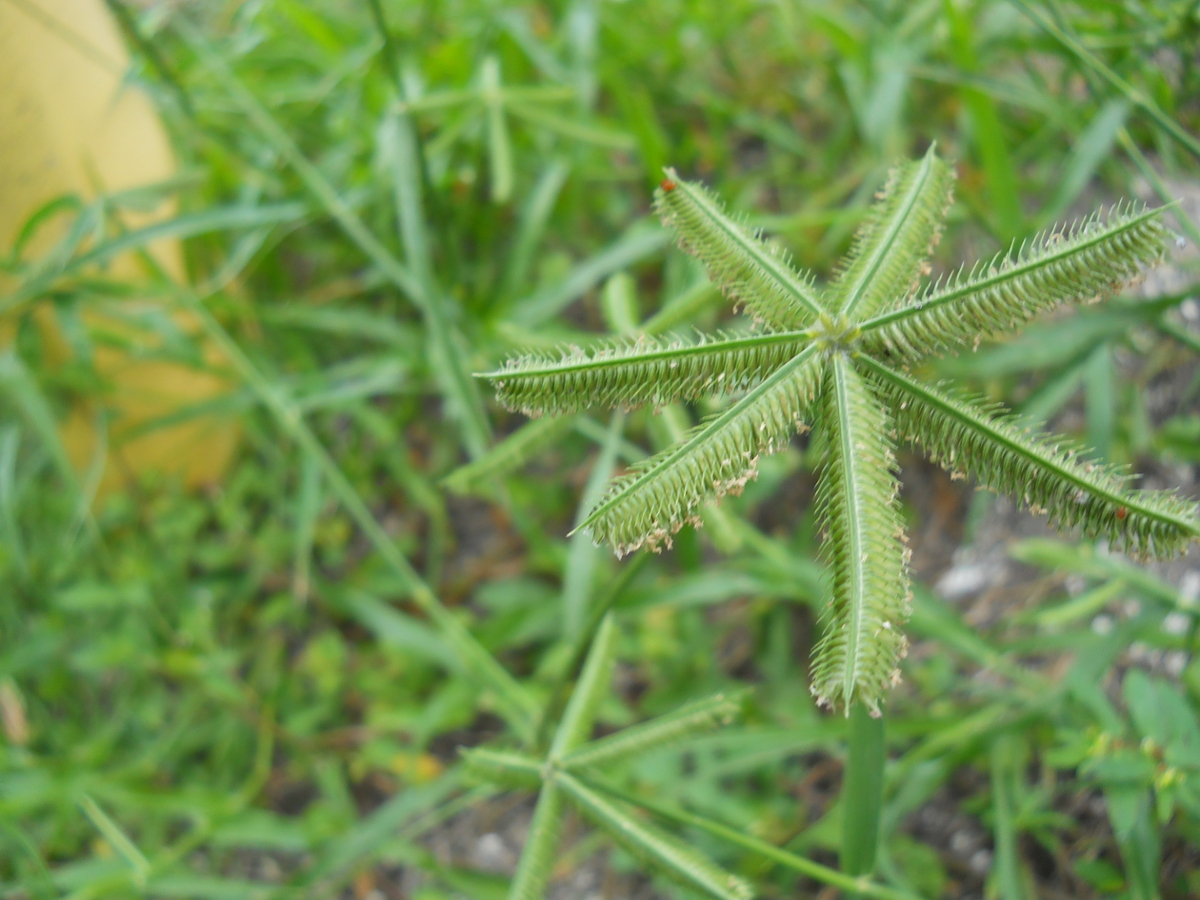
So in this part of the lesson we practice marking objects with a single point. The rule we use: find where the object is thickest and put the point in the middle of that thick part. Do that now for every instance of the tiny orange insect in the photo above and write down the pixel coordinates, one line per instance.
(667, 185)
(1122, 512)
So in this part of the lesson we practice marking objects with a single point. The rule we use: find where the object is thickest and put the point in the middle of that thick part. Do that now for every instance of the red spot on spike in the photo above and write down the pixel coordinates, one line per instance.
(1122, 512)
(667, 185)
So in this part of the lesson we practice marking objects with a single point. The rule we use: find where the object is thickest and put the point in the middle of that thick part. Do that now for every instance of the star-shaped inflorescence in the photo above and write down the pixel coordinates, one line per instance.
(835, 358)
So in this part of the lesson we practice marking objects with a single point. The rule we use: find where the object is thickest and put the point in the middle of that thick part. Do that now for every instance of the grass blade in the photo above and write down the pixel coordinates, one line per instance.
(117, 839)
(511, 699)
(399, 148)
(741, 838)
(538, 857)
(643, 239)
(483, 474)
(583, 556)
(1089, 149)
(448, 354)
(1005, 772)
(649, 842)
(535, 214)
(576, 724)
(700, 715)
(500, 163)
(1003, 195)
(308, 508)
(1093, 62)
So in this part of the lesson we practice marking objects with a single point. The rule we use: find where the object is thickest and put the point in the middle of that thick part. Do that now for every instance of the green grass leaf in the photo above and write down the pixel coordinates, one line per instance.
(689, 719)
(576, 724)
(538, 856)
(643, 839)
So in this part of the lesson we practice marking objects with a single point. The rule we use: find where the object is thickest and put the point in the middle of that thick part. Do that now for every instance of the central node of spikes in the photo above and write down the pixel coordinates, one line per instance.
(833, 334)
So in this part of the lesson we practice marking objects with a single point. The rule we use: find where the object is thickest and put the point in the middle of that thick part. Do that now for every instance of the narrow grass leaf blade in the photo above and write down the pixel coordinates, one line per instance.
(643, 839)
(402, 632)
(857, 659)
(500, 163)
(583, 132)
(683, 307)
(1003, 195)
(692, 718)
(502, 459)
(640, 241)
(308, 508)
(741, 838)
(1045, 472)
(1131, 93)
(576, 724)
(583, 556)
(1088, 150)
(117, 839)
(647, 506)
(532, 226)
(178, 227)
(748, 270)
(10, 526)
(368, 836)
(1006, 769)
(25, 394)
(508, 769)
(1099, 402)
(447, 355)
(538, 857)
(400, 157)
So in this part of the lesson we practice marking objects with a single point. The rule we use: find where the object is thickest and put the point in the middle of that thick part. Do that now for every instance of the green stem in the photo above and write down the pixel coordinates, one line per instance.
(862, 792)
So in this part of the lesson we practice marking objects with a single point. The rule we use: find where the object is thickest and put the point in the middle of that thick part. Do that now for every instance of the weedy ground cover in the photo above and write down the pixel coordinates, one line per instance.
(262, 690)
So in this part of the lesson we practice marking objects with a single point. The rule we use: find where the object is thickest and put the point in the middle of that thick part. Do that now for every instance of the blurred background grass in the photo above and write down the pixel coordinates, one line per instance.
(242, 690)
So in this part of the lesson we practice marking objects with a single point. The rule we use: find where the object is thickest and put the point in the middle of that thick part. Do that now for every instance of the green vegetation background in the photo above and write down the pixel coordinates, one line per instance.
(236, 694)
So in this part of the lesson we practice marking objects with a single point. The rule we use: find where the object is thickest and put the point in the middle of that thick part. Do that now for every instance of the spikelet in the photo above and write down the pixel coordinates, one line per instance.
(748, 270)
(891, 247)
(857, 658)
(647, 506)
(1044, 472)
(1082, 263)
(652, 371)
